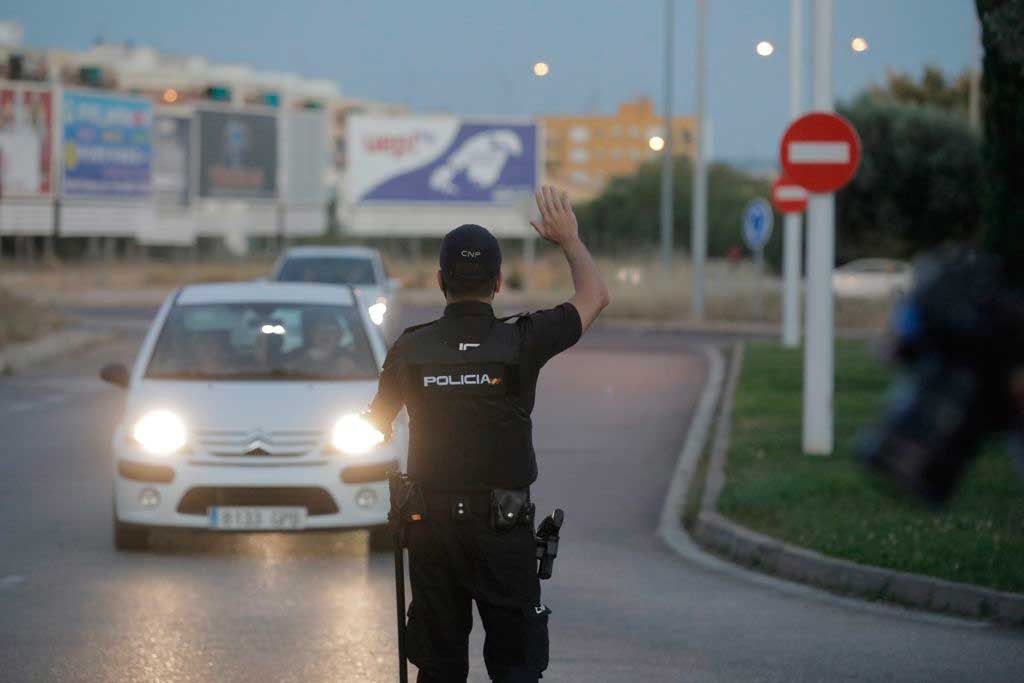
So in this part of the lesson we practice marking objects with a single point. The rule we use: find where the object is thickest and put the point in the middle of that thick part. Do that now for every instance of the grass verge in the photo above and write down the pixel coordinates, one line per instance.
(22, 321)
(827, 504)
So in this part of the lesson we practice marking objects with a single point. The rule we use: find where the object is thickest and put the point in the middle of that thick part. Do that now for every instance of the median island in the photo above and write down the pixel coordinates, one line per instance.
(828, 504)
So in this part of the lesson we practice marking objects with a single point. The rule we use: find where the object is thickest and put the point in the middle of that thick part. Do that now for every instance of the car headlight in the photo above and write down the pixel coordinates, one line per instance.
(354, 435)
(378, 310)
(160, 432)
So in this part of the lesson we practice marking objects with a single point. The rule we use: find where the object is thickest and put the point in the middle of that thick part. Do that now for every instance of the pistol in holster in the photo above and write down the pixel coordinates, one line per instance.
(547, 543)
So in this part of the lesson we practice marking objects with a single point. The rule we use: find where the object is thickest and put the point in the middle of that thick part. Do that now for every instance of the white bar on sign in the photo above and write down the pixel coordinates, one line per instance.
(819, 152)
(788, 192)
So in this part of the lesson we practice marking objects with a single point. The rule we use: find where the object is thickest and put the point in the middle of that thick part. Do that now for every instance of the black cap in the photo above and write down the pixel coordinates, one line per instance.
(470, 252)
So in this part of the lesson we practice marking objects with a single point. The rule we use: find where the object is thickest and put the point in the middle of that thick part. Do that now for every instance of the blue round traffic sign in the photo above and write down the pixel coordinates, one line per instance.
(757, 223)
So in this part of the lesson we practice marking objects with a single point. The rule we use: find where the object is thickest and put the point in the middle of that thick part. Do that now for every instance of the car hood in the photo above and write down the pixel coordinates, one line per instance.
(255, 405)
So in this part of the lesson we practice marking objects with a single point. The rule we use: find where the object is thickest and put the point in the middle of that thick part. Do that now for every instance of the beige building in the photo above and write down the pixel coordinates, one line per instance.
(583, 152)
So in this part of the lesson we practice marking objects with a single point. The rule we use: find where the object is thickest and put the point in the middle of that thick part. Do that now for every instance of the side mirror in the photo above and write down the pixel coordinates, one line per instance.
(116, 374)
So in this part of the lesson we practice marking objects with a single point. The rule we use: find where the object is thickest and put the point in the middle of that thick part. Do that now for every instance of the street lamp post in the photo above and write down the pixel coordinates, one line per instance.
(818, 348)
(699, 227)
(666, 155)
(793, 228)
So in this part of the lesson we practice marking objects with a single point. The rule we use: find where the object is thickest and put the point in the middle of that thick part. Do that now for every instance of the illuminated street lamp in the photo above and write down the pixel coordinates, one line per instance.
(656, 143)
(541, 69)
(170, 95)
(764, 48)
(858, 44)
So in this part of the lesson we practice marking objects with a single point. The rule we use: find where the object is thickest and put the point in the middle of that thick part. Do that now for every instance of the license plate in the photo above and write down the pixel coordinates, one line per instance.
(257, 518)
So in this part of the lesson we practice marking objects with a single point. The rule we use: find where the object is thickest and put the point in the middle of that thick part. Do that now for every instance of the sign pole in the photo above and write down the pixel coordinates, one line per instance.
(818, 355)
(791, 267)
(792, 226)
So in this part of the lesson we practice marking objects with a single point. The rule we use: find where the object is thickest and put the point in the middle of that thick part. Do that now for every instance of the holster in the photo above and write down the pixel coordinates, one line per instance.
(407, 505)
(511, 507)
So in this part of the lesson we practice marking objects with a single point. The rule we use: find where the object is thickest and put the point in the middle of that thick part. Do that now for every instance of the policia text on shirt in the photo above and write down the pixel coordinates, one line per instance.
(468, 382)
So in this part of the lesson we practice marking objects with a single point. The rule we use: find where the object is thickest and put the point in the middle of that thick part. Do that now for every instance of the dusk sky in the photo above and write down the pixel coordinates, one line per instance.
(475, 58)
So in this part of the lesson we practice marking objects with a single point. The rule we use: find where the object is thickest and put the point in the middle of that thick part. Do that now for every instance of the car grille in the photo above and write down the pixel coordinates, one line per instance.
(274, 444)
(199, 499)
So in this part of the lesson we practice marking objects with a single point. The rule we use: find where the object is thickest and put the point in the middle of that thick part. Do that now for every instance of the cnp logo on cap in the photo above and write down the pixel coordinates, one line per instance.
(470, 252)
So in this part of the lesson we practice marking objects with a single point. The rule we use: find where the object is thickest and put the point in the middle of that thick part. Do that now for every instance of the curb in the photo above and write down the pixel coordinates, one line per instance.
(17, 357)
(764, 553)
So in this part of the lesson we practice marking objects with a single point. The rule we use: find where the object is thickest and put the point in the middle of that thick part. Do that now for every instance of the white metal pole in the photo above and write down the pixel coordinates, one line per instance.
(818, 358)
(666, 155)
(699, 227)
(793, 228)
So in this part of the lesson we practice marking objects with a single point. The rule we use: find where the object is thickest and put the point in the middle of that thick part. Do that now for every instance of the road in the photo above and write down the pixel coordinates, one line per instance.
(610, 419)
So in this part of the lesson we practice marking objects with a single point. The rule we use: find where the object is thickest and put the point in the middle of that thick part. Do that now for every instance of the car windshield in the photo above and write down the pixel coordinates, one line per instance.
(267, 341)
(336, 270)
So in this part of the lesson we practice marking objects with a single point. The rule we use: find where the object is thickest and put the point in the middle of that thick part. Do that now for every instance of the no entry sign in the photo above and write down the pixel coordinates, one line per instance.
(820, 152)
(788, 197)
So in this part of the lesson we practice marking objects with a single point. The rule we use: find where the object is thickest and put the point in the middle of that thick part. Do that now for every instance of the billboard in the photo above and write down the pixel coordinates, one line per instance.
(172, 159)
(307, 155)
(108, 145)
(237, 155)
(440, 159)
(26, 142)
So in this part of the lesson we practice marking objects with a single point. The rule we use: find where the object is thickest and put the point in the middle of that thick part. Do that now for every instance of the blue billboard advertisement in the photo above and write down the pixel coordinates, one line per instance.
(440, 159)
(107, 145)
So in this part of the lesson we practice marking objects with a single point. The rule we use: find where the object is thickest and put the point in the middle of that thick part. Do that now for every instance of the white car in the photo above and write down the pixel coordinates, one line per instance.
(358, 267)
(243, 415)
(872, 278)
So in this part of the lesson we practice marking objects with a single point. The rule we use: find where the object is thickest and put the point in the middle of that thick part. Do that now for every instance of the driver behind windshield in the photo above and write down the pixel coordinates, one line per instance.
(321, 352)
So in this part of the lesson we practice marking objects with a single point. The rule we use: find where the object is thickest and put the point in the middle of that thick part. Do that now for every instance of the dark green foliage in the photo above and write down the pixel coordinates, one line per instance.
(918, 185)
(1003, 153)
(625, 217)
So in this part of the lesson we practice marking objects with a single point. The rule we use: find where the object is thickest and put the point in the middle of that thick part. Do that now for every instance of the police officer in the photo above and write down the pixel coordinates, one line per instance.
(468, 382)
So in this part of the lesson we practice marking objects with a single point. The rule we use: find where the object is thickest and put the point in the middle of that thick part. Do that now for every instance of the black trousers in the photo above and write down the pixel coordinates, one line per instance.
(454, 562)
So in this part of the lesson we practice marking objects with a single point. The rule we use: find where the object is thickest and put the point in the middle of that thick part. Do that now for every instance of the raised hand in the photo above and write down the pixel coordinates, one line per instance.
(557, 221)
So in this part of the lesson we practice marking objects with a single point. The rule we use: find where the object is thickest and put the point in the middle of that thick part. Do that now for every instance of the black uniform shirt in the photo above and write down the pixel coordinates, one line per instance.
(473, 437)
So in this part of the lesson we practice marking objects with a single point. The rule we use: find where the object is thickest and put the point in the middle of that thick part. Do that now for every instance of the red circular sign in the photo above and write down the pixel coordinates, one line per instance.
(789, 197)
(820, 151)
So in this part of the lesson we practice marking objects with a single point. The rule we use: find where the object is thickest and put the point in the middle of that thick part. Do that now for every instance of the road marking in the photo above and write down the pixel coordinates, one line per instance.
(11, 581)
(45, 402)
(819, 152)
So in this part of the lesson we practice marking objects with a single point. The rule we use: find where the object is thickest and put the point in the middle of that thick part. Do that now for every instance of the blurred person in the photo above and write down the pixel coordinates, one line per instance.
(468, 382)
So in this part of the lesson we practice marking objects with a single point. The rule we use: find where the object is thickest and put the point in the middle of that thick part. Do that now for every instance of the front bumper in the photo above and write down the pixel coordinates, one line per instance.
(331, 487)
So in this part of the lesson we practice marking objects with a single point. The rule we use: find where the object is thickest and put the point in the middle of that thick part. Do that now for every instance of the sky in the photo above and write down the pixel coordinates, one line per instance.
(475, 58)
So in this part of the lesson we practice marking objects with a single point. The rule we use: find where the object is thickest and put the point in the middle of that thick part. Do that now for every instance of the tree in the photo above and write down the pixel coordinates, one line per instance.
(625, 216)
(1002, 35)
(918, 184)
(934, 89)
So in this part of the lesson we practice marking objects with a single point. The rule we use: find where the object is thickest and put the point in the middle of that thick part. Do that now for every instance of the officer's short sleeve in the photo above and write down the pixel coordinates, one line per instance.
(551, 331)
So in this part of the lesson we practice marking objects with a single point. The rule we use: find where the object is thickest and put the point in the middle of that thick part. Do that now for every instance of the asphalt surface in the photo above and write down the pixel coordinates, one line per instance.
(610, 418)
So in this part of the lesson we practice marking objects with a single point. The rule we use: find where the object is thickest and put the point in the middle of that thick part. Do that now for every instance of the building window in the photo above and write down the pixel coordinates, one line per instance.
(616, 153)
(616, 131)
(579, 134)
(579, 155)
(634, 131)
(580, 178)
(687, 138)
(634, 154)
